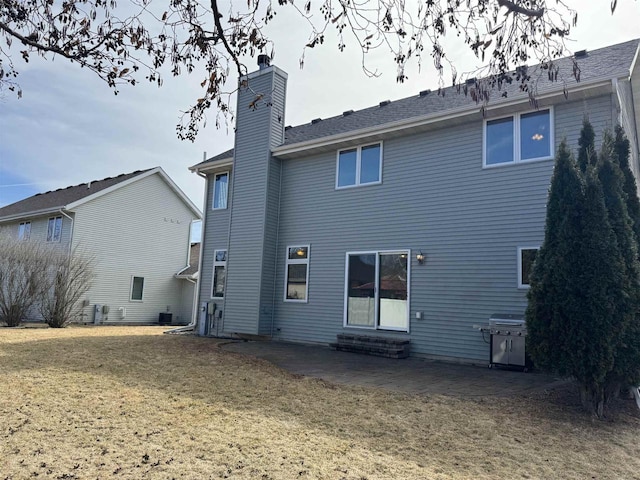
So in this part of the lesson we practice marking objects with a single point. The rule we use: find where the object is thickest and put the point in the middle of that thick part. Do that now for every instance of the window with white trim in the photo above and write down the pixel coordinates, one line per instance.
(526, 257)
(219, 273)
(220, 190)
(296, 276)
(359, 166)
(54, 229)
(521, 137)
(137, 288)
(24, 231)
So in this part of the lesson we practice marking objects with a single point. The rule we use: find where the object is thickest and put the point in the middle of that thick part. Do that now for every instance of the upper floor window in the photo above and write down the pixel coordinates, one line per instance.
(526, 257)
(24, 231)
(220, 190)
(54, 229)
(219, 273)
(518, 138)
(296, 275)
(359, 166)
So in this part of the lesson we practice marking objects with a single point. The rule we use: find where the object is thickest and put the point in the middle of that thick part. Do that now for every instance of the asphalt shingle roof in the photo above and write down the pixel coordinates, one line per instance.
(61, 197)
(608, 62)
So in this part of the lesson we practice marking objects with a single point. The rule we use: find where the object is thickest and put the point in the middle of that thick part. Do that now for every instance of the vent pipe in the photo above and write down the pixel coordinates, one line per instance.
(263, 61)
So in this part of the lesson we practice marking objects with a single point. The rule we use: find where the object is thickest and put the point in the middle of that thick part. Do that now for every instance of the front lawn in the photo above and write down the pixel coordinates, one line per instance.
(129, 402)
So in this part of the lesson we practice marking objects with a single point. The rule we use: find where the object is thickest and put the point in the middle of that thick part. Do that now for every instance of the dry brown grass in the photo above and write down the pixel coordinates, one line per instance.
(128, 402)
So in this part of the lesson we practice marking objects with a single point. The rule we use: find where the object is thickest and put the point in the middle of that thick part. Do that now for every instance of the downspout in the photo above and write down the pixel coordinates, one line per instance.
(72, 225)
(196, 294)
(275, 269)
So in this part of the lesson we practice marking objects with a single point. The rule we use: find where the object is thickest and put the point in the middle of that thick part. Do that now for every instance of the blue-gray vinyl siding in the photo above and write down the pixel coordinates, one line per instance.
(252, 228)
(434, 197)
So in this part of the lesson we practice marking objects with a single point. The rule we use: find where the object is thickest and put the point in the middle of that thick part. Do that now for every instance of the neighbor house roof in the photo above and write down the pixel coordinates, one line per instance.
(74, 195)
(603, 64)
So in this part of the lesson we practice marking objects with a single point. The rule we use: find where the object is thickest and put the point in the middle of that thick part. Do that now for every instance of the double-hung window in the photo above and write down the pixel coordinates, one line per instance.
(526, 257)
(521, 137)
(54, 229)
(219, 273)
(24, 231)
(359, 166)
(220, 190)
(296, 277)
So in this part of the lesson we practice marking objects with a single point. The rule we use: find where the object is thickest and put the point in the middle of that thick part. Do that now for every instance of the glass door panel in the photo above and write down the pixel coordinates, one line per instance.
(361, 288)
(393, 291)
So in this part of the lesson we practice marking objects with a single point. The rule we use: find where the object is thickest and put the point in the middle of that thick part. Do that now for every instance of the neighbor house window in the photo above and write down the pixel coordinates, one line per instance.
(359, 166)
(220, 190)
(24, 231)
(137, 287)
(54, 229)
(526, 257)
(377, 290)
(219, 273)
(518, 138)
(296, 275)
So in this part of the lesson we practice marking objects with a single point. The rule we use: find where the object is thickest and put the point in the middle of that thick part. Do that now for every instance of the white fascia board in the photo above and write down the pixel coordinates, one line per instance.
(287, 150)
(209, 166)
(33, 214)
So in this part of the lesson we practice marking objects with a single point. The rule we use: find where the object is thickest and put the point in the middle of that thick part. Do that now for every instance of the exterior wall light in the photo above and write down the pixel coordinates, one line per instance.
(420, 257)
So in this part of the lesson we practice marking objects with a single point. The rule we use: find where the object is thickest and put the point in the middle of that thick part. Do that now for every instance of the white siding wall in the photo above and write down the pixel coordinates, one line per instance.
(141, 230)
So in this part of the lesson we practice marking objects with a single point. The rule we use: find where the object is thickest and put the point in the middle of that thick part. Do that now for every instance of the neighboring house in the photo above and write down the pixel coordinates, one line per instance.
(414, 219)
(137, 228)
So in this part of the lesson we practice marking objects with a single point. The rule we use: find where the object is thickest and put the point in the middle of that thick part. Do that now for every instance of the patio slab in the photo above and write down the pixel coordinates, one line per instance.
(410, 375)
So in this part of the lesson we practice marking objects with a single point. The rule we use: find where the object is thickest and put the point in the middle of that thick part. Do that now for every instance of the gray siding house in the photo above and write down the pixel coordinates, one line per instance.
(414, 219)
(136, 226)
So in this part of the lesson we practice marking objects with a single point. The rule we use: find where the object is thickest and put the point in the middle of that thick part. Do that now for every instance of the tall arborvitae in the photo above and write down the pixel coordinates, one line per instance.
(549, 322)
(587, 146)
(595, 300)
(627, 303)
(621, 154)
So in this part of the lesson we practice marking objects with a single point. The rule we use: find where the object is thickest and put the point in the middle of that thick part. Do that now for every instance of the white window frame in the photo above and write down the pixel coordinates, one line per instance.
(213, 199)
(376, 326)
(516, 139)
(24, 233)
(223, 264)
(131, 299)
(521, 285)
(296, 261)
(358, 165)
(53, 232)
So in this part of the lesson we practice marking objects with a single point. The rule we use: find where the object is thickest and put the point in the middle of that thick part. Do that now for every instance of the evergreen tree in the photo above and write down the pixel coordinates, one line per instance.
(628, 301)
(548, 322)
(621, 155)
(595, 301)
(583, 299)
(587, 146)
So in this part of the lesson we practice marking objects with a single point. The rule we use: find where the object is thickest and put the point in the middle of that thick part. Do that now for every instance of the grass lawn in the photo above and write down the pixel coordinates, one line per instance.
(129, 402)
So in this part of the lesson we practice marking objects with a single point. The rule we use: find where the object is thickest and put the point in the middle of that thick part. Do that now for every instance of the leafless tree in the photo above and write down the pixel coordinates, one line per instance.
(71, 274)
(123, 43)
(23, 278)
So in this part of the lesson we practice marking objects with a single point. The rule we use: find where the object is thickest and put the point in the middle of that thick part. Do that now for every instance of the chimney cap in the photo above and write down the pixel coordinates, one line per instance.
(264, 61)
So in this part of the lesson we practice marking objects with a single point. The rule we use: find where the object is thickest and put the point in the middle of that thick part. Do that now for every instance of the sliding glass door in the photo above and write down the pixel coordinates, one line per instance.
(377, 290)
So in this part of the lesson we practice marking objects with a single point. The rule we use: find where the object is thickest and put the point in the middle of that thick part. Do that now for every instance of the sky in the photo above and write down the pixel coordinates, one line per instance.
(69, 127)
